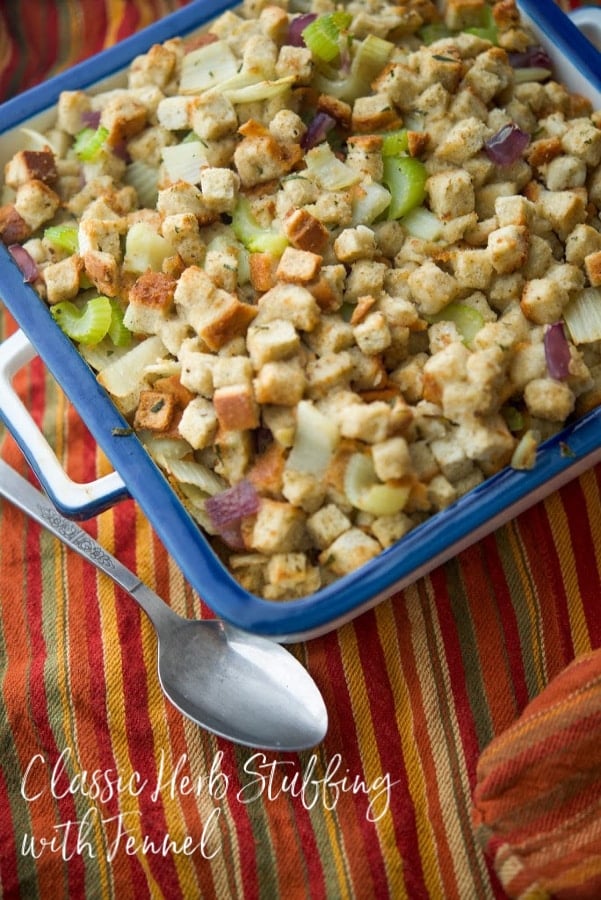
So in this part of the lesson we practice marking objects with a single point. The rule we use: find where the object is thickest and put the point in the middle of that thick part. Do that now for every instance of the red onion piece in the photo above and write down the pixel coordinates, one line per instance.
(25, 262)
(296, 28)
(557, 351)
(507, 145)
(317, 130)
(232, 505)
(535, 57)
(91, 118)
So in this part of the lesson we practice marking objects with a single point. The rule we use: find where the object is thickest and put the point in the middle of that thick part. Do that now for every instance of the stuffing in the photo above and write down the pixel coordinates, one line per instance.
(63, 279)
(284, 309)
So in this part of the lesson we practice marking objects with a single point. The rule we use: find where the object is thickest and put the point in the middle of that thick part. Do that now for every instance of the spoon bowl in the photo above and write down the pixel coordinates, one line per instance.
(237, 685)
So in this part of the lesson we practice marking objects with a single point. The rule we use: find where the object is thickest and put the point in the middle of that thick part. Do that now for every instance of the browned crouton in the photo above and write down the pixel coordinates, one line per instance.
(236, 407)
(155, 411)
(305, 232)
(28, 164)
(13, 227)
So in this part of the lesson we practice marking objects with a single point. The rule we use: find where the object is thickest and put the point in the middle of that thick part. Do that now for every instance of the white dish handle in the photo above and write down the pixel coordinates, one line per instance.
(588, 19)
(73, 499)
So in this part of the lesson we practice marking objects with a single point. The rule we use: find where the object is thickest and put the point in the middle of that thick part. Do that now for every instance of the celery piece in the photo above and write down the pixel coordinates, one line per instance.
(488, 29)
(467, 319)
(422, 223)
(86, 325)
(250, 233)
(514, 419)
(365, 492)
(330, 173)
(322, 35)
(118, 333)
(435, 31)
(405, 178)
(395, 142)
(89, 142)
(369, 57)
(63, 237)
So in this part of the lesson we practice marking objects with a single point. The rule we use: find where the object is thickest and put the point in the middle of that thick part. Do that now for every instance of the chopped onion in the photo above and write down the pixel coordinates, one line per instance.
(533, 73)
(296, 28)
(583, 316)
(507, 145)
(422, 223)
(535, 57)
(330, 173)
(365, 492)
(315, 440)
(317, 130)
(25, 262)
(232, 505)
(524, 455)
(91, 118)
(557, 351)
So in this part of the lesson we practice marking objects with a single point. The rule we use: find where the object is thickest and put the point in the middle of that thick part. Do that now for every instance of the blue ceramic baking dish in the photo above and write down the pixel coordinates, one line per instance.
(477, 513)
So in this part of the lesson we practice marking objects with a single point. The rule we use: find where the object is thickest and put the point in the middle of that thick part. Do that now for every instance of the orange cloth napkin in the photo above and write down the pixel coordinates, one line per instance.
(537, 801)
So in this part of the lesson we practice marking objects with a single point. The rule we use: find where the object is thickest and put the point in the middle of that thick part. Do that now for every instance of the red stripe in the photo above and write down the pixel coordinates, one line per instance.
(583, 547)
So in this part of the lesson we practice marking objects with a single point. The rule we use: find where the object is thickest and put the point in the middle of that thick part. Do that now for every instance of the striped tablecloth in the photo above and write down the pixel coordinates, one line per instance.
(106, 791)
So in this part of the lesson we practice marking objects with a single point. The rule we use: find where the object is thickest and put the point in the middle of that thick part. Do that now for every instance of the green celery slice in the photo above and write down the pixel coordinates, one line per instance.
(64, 237)
(87, 325)
(322, 36)
(405, 178)
(255, 238)
(119, 334)
(89, 143)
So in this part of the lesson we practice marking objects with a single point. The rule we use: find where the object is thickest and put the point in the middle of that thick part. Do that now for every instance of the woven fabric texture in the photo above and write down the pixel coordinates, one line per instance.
(107, 791)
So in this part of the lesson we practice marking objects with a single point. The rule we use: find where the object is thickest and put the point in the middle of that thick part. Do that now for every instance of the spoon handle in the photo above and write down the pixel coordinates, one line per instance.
(22, 494)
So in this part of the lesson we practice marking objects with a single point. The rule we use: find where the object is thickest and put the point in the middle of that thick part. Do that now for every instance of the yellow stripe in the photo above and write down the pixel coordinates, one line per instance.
(449, 801)
(114, 666)
(114, 14)
(387, 630)
(57, 405)
(368, 749)
(528, 590)
(562, 540)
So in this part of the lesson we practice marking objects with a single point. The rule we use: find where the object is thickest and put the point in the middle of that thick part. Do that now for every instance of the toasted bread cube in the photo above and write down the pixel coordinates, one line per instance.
(278, 528)
(592, 265)
(36, 203)
(103, 270)
(236, 407)
(280, 383)
(305, 232)
(219, 188)
(31, 164)
(270, 341)
(13, 227)
(351, 550)
(198, 424)
(221, 320)
(62, 279)
(212, 115)
(124, 116)
(299, 266)
(508, 248)
(156, 411)
(150, 302)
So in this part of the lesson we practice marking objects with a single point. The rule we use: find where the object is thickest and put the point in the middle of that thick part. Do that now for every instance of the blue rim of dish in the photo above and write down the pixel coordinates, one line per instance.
(566, 36)
(182, 538)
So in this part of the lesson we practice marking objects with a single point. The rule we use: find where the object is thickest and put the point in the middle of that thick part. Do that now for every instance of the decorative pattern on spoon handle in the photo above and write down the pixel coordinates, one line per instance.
(76, 537)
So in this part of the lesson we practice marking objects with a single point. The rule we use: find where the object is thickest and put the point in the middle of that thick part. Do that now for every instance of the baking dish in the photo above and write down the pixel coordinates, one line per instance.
(436, 540)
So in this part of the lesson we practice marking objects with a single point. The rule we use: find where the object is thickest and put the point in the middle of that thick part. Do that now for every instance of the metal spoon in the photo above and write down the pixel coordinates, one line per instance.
(242, 687)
